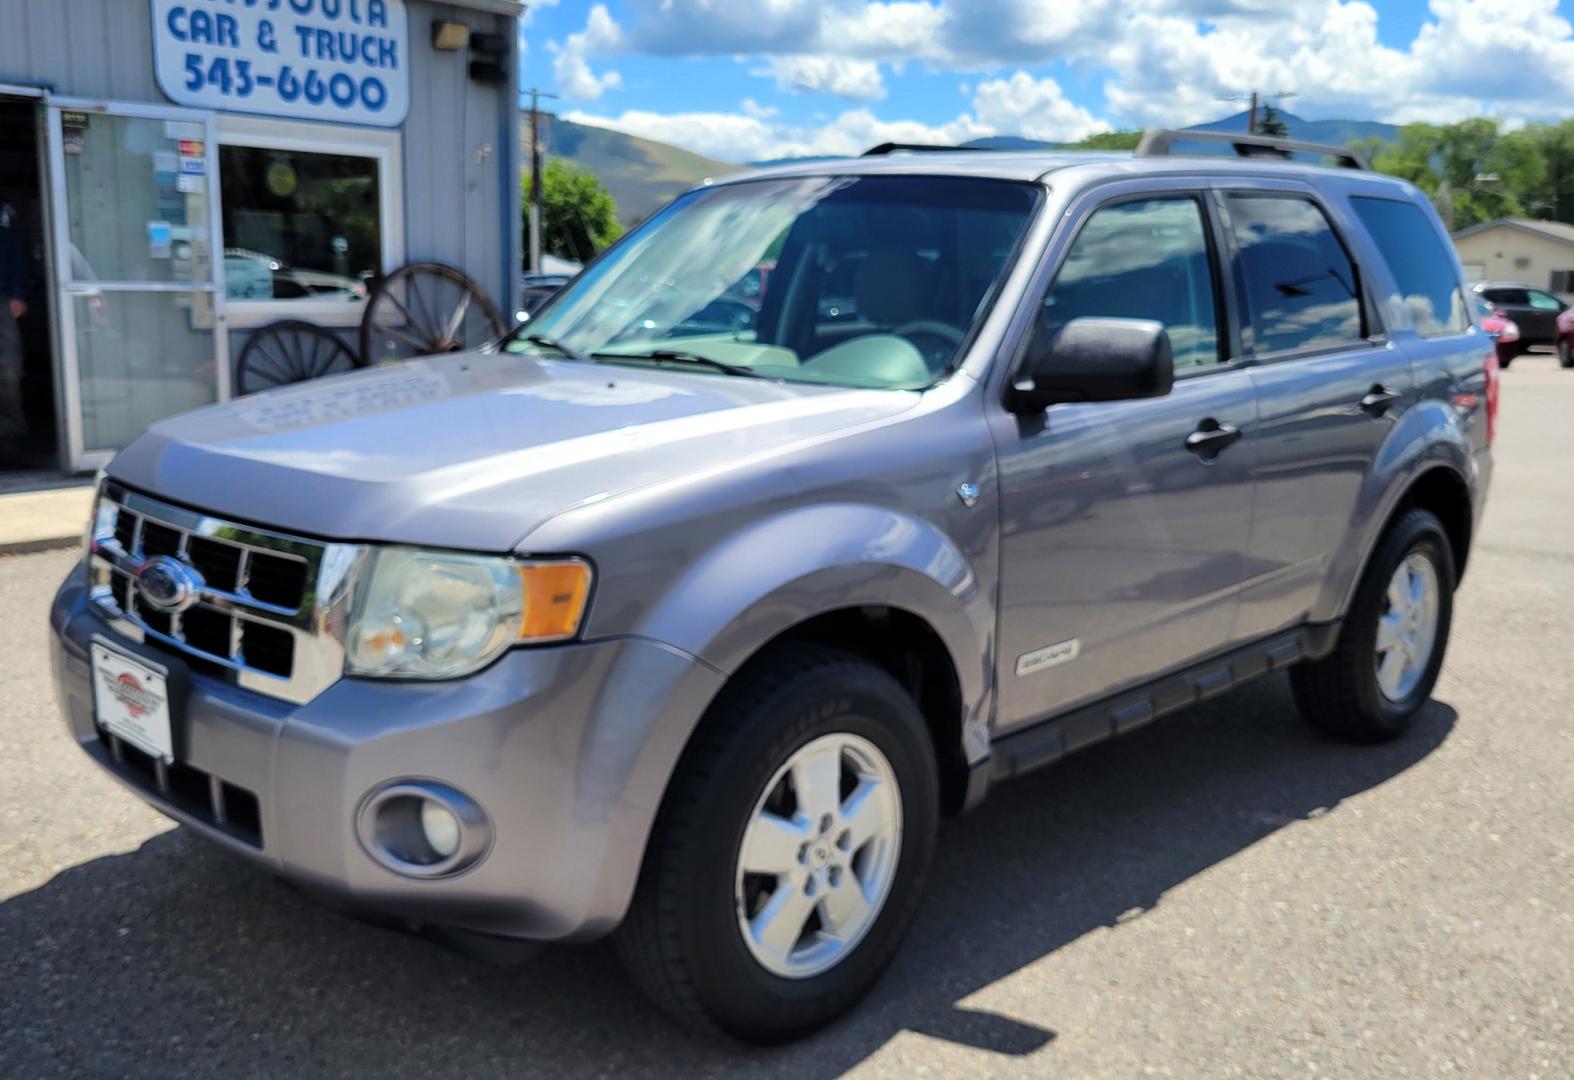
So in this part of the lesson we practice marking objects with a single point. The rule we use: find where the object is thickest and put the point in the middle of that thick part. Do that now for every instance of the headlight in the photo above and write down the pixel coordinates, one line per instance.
(437, 615)
(101, 518)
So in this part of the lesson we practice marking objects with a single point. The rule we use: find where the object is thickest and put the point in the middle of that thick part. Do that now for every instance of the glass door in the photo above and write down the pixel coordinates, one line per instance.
(136, 222)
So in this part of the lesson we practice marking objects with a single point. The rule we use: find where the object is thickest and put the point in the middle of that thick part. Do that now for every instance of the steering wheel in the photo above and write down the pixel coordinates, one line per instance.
(935, 340)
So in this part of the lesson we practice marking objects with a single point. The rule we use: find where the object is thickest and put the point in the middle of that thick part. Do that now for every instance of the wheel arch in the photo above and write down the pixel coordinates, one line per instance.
(1436, 486)
(911, 651)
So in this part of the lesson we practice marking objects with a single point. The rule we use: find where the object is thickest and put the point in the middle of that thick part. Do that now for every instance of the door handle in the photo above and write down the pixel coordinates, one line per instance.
(1211, 438)
(1379, 400)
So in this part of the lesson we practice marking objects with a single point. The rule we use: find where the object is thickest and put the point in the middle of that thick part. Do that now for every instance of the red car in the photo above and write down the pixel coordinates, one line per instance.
(1565, 338)
(1504, 333)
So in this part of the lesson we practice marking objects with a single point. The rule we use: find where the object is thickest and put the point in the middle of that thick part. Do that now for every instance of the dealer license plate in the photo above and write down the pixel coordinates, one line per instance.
(131, 700)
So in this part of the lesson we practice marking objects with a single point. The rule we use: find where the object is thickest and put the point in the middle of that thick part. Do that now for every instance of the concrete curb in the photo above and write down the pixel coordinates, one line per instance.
(33, 521)
(33, 547)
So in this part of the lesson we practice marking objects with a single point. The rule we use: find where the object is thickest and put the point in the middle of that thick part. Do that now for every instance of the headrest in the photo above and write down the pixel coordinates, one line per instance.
(888, 287)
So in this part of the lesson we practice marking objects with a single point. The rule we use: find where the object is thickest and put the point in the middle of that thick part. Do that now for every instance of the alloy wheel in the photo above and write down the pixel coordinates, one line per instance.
(1407, 628)
(818, 856)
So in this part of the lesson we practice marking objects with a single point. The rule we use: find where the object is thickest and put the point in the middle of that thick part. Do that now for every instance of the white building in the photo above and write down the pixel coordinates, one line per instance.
(1535, 253)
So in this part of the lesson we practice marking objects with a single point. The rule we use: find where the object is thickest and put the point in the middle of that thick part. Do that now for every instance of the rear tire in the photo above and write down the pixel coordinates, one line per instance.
(690, 937)
(1381, 673)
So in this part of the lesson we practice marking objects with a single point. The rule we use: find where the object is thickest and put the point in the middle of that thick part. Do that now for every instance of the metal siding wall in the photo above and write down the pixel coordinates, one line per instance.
(86, 48)
(452, 192)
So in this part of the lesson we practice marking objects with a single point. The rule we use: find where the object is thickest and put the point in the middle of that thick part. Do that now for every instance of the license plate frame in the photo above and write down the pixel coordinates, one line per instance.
(132, 700)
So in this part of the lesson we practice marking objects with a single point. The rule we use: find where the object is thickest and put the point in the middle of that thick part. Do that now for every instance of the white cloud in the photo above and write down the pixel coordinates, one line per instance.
(601, 37)
(856, 79)
(1163, 61)
(741, 138)
(900, 30)
(1016, 105)
(1035, 108)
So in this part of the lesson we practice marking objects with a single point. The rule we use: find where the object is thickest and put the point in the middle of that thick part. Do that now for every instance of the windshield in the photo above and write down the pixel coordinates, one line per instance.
(848, 281)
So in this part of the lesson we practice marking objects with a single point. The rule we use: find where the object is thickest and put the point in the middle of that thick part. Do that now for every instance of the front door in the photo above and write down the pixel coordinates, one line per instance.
(1122, 536)
(141, 299)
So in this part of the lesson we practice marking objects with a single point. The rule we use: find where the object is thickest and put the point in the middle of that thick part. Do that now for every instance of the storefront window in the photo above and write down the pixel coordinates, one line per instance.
(298, 225)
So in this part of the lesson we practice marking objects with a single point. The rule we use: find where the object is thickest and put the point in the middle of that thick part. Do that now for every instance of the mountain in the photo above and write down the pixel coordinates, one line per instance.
(1328, 132)
(1331, 132)
(642, 174)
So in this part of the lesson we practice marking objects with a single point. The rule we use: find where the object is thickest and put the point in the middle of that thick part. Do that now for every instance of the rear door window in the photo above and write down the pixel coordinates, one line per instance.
(1301, 289)
(1148, 259)
(1423, 267)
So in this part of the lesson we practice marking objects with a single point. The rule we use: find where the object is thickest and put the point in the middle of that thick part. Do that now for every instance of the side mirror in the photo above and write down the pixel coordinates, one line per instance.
(1098, 359)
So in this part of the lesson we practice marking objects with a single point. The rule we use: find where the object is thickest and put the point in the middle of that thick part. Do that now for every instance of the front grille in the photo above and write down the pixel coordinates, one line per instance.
(227, 807)
(263, 615)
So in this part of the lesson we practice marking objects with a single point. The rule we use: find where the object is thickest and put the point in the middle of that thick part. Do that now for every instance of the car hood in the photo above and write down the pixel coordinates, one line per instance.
(473, 451)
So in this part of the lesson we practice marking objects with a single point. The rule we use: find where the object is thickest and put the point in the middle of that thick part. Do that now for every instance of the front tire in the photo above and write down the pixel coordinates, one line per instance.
(1374, 684)
(789, 856)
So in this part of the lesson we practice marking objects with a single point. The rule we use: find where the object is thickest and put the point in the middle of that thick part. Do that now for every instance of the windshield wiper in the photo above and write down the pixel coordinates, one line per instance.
(557, 346)
(682, 356)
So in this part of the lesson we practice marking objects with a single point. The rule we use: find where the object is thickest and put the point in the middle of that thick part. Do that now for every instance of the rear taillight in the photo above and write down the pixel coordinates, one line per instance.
(1494, 379)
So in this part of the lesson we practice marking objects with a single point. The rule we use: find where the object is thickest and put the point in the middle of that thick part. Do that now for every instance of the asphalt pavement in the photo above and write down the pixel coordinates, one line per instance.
(1222, 894)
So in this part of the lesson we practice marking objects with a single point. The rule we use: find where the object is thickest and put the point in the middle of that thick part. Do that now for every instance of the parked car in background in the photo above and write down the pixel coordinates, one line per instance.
(1534, 311)
(644, 623)
(1565, 342)
(535, 290)
(542, 284)
(1503, 331)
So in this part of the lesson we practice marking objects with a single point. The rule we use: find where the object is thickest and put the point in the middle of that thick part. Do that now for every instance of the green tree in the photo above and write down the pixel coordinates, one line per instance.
(1555, 198)
(578, 215)
(1472, 170)
(1109, 140)
(1272, 123)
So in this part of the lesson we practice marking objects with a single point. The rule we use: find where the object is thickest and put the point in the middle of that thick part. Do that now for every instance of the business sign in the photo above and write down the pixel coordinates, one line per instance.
(341, 61)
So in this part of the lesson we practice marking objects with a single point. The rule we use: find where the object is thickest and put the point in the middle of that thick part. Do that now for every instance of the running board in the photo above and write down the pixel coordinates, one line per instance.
(1047, 742)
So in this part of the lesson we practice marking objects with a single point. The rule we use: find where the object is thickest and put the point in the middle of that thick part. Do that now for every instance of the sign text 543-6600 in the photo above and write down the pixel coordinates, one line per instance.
(335, 60)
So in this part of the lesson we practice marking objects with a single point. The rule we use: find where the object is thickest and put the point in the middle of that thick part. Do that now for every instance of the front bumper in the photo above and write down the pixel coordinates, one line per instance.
(567, 749)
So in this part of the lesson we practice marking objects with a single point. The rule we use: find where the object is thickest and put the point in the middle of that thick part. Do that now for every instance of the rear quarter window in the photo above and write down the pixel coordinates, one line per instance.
(1422, 264)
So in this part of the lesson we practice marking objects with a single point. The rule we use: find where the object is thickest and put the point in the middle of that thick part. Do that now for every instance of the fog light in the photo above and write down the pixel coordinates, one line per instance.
(421, 828)
(441, 828)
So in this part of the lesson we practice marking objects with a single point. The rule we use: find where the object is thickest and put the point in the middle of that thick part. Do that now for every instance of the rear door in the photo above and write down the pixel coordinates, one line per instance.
(1122, 545)
(1330, 386)
(1541, 313)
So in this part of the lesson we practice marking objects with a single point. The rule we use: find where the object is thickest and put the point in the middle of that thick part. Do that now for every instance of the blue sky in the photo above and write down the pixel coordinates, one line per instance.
(743, 80)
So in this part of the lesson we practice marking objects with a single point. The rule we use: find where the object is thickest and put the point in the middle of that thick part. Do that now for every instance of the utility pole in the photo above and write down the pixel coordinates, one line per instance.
(535, 177)
(1260, 107)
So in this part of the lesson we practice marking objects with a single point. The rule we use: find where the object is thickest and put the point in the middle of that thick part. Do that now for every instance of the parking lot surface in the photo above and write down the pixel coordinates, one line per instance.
(1222, 894)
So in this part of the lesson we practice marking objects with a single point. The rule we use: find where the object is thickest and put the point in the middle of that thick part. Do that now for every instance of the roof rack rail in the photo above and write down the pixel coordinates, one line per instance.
(1161, 142)
(914, 148)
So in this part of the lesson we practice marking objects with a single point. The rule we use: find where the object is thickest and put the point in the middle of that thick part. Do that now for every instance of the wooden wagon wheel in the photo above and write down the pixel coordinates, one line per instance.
(288, 352)
(424, 309)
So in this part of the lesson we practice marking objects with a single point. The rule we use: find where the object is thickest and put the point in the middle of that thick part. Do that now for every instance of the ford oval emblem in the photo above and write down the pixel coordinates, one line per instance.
(168, 585)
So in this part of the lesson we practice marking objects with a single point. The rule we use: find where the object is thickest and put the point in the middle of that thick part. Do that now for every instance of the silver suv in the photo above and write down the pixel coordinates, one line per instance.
(684, 612)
